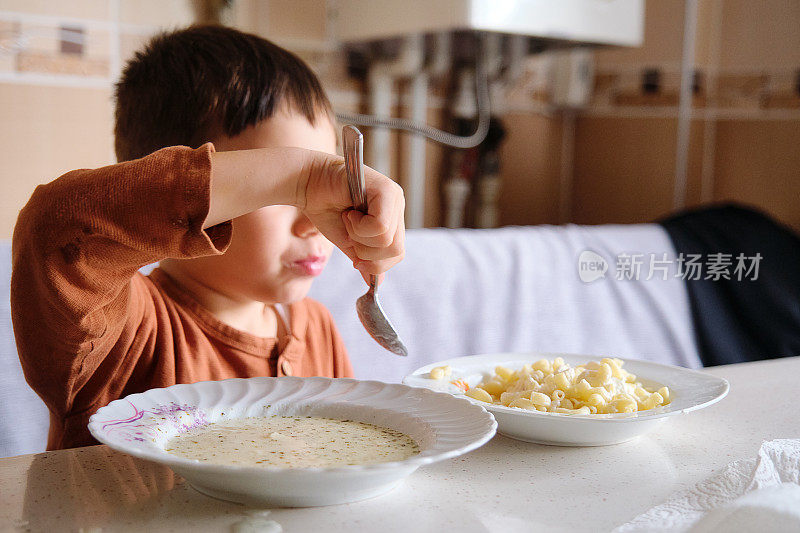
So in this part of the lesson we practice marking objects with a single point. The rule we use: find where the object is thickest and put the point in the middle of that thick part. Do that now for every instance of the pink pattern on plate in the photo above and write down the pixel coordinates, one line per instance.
(169, 413)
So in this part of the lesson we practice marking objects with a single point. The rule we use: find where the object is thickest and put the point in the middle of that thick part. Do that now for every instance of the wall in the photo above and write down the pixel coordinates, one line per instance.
(56, 106)
(745, 117)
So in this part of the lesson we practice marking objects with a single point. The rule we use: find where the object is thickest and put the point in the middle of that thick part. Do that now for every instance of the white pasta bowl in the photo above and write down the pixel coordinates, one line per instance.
(442, 426)
(689, 389)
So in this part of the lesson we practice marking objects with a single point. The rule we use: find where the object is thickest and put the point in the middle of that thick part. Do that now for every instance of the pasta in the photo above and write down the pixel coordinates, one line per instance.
(441, 372)
(596, 387)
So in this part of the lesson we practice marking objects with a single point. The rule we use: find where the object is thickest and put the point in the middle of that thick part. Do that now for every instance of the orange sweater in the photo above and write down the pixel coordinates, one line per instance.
(90, 328)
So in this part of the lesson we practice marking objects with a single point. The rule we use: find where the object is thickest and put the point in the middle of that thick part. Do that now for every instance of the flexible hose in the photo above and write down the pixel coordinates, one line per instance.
(435, 134)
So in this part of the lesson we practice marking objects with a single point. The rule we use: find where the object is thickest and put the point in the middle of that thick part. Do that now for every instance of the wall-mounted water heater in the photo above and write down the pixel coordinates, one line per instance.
(611, 22)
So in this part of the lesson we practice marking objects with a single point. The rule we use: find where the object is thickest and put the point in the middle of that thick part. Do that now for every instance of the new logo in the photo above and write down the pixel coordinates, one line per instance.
(591, 266)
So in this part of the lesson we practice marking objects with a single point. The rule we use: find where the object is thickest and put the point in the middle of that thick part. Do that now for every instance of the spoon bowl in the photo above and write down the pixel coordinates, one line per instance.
(376, 322)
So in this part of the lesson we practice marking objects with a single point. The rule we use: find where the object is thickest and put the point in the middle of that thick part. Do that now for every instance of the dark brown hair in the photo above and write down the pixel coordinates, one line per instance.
(188, 86)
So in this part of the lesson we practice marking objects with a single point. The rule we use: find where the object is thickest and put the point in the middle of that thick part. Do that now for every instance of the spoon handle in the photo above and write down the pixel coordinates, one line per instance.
(353, 142)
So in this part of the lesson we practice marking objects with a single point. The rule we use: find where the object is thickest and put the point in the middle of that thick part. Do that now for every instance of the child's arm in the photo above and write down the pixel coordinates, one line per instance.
(245, 180)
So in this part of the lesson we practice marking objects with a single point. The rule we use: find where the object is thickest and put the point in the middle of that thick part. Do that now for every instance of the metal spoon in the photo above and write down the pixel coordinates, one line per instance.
(368, 307)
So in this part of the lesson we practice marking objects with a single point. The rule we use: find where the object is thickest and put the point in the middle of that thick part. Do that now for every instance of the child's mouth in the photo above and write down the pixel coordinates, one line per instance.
(309, 266)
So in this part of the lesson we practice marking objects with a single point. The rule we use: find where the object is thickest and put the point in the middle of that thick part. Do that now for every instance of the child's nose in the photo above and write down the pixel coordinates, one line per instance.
(303, 227)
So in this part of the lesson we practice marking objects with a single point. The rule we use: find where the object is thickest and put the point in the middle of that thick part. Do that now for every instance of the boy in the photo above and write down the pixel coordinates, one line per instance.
(228, 298)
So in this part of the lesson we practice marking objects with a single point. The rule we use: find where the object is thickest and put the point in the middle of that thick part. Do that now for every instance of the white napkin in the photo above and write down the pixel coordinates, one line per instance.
(761, 494)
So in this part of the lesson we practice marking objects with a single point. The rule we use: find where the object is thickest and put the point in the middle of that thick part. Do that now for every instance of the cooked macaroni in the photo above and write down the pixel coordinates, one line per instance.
(553, 386)
(441, 372)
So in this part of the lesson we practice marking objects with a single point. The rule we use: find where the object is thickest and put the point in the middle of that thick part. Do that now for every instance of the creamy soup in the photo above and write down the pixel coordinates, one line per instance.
(293, 442)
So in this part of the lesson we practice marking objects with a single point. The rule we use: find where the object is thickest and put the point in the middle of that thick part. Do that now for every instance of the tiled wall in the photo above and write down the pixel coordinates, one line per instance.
(613, 161)
(58, 62)
(745, 116)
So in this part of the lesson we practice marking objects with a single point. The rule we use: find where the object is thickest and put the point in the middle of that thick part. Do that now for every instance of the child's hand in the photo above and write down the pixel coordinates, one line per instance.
(374, 242)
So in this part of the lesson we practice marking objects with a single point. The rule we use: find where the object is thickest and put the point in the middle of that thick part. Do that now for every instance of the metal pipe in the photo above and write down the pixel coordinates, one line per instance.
(685, 105)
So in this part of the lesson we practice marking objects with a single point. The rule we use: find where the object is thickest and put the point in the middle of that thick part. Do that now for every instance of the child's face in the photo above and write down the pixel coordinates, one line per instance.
(275, 252)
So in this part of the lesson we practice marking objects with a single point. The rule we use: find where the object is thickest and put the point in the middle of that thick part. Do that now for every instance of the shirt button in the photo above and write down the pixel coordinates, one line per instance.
(286, 366)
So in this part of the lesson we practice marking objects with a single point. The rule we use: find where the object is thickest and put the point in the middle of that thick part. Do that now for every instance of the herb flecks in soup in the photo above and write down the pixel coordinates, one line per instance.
(292, 442)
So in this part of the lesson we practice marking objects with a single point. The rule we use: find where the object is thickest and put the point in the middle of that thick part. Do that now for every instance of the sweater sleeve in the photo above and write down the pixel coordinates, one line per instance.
(77, 245)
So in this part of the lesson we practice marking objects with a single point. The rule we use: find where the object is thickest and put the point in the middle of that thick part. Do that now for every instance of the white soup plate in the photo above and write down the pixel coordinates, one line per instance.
(443, 426)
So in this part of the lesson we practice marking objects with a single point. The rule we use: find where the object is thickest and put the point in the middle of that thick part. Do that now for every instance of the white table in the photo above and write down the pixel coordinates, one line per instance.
(506, 485)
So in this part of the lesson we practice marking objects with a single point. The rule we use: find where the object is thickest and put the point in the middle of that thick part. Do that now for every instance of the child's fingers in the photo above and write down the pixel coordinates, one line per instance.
(348, 224)
(377, 230)
(395, 248)
(385, 258)
(382, 198)
(373, 260)
(366, 227)
(386, 250)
